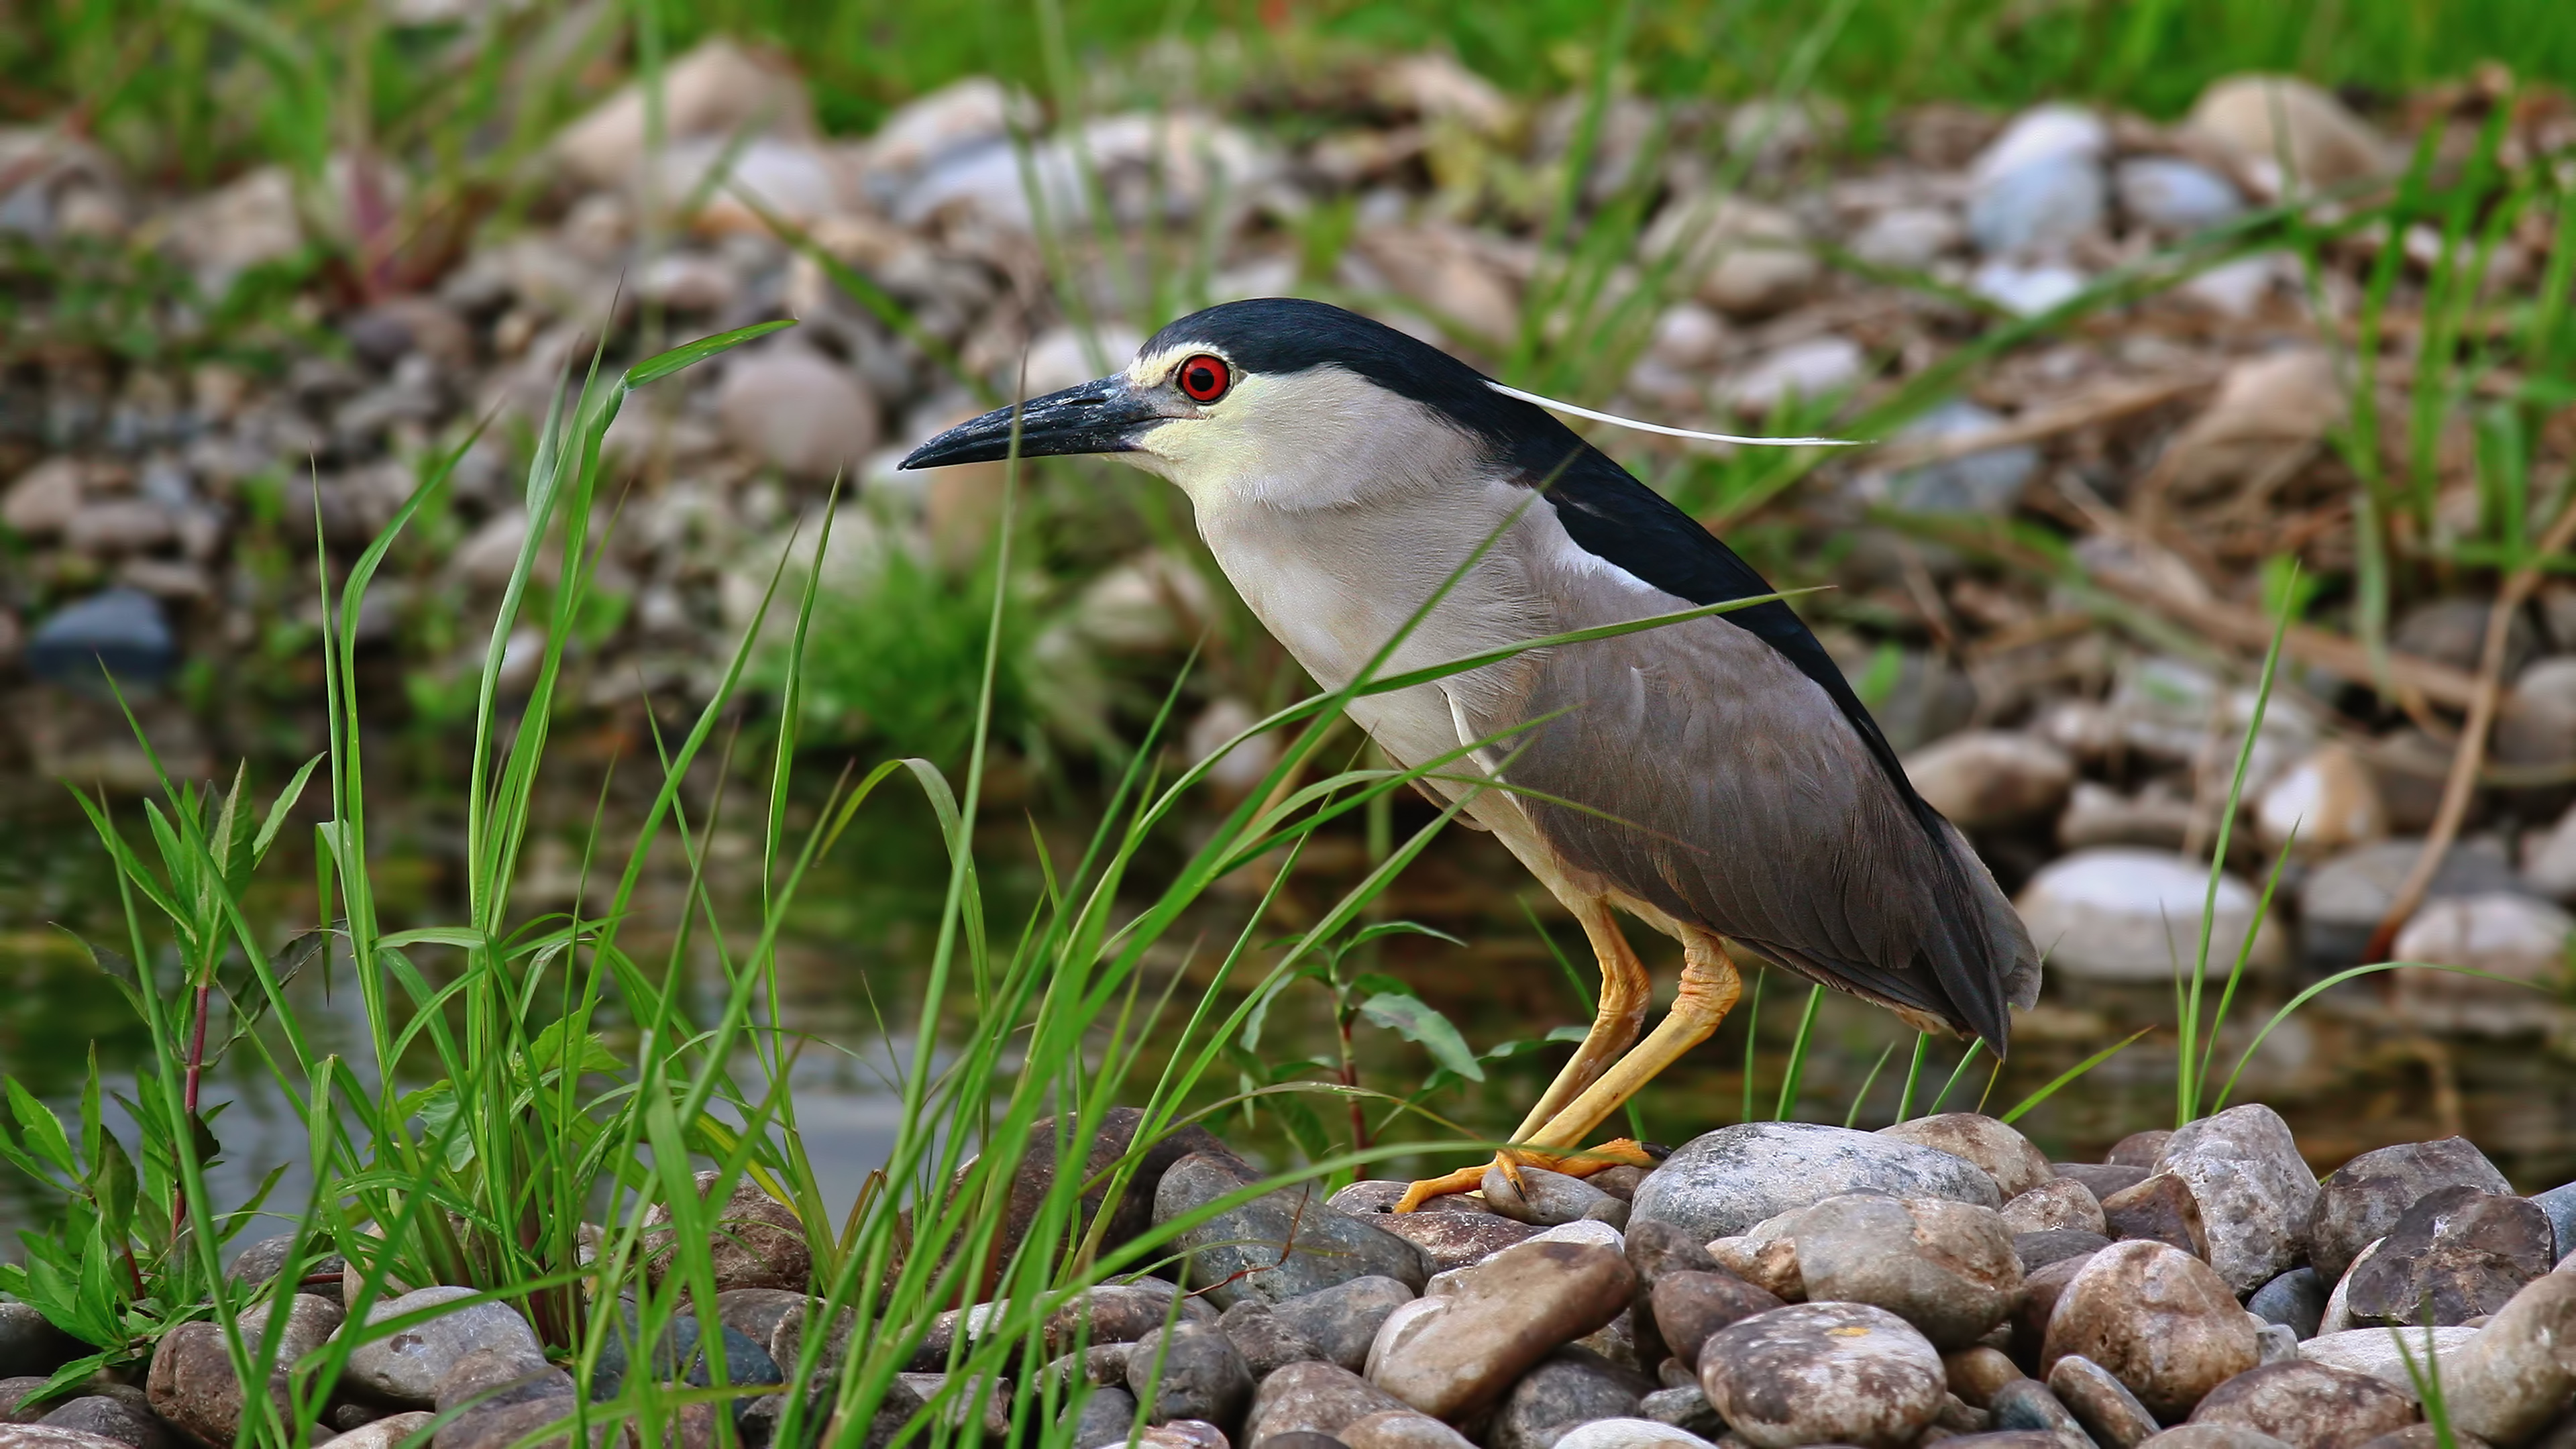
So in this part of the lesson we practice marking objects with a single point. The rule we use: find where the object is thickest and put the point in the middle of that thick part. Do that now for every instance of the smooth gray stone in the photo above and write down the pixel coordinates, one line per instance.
(1723, 1182)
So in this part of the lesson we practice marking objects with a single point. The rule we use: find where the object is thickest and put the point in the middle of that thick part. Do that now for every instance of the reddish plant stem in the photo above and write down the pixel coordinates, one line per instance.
(188, 1095)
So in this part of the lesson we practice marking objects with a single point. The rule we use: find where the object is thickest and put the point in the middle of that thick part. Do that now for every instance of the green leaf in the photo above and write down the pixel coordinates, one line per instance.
(42, 1130)
(463, 936)
(278, 808)
(65, 1377)
(1377, 983)
(1416, 1021)
(1400, 928)
(546, 1053)
(661, 365)
(113, 1186)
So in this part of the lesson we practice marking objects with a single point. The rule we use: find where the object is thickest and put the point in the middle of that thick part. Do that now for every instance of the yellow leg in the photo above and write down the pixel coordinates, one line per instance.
(1710, 986)
(1625, 992)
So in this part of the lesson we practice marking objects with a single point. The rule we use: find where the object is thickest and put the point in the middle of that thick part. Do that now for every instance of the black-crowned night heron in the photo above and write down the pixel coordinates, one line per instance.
(1715, 778)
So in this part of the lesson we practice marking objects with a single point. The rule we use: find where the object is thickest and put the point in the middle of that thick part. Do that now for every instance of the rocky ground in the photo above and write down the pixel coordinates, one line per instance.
(1766, 1285)
(2079, 718)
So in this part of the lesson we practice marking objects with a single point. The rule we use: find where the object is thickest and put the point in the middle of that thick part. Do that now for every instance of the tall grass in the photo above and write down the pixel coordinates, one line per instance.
(487, 1117)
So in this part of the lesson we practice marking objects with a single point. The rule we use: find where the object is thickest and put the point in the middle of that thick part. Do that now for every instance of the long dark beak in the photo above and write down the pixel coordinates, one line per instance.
(1098, 417)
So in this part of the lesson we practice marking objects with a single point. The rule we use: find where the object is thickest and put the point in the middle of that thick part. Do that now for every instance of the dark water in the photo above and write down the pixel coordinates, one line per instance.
(2346, 1073)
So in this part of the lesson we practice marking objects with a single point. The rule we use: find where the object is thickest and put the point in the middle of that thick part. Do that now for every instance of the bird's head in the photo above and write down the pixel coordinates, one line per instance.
(1278, 401)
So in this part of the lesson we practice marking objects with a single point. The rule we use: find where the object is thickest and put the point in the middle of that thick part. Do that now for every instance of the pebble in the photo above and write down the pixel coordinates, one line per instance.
(1947, 1268)
(1570, 1387)
(2121, 913)
(2041, 1288)
(1721, 1183)
(1990, 481)
(2254, 1190)
(2026, 289)
(2296, 1300)
(2039, 1250)
(2006, 1156)
(2159, 1209)
(2342, 900)
(1394, 1429)
(1823, 1373)
(2027, 1406)
(1278, 1246)
(1645, 1433)
(1987, 779)
(16, 1389)
(2537, 719)
(1817, 367)
(1549, 1199)
(1690, 1305)
(496, 1378)
(797, 411)
(46, 1436)
(1768, 1262)
(1908, 238)
(1105, 1418)
(2060, 1204)
(1974, 1374)
(2560, 1203)
(2362, 1200)
(40, 504)
(110, 1419)
(715, 89)
(2457, 1254)
(2041, 133)
(2101, 1403)
(2549, 859)
(756, 1241)
(2039, 207)
(1498, 1318)
(2105, 1178)
(2214, 1436)
(1452, 1239)
(678, 1358)
(2515, 1373)
(1752, 259)
(2308, 1405)
(1315, 1398)
(192, 1382)
(1190, 1371)
(388, 1432)
(2325, 803)
(2501, 933)
(405, 1367)
(2175, 196)
(2373, 1351)
(1684, 1406)
(2158, 1319)
(122, 628)
(2262, 118)
(258, 1264)
(1342, 1321)
(30, 1345)
(1114, 1313)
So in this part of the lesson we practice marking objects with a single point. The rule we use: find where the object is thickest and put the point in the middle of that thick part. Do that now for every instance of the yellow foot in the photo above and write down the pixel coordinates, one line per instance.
(1465, 1179)
(1624, 1152)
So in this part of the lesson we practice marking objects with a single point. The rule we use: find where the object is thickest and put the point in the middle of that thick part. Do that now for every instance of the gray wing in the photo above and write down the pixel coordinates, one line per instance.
(1725, 788)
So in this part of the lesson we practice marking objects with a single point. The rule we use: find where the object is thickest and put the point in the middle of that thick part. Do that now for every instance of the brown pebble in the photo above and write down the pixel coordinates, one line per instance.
(2158, 1210)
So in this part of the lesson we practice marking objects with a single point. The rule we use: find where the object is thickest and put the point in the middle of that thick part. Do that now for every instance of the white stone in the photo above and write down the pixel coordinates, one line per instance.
(2042, 133)
(2374, 1351)
(2501, 933)
(2174, 195)
(1990, 481)
(2234, 289)
(2116, 913)
(959, 116)
(2328, 799)
(1630, 1434)
(2026, 291)
(1583, 1230)
(1688, 335)
(1814, 368)
(2549, 858)
(1986, 778)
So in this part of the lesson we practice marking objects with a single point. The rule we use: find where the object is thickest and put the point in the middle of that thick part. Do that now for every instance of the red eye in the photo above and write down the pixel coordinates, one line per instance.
(1205, 378)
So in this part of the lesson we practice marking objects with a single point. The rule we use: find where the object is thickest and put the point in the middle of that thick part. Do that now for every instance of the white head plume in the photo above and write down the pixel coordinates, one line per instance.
(1615, 420)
